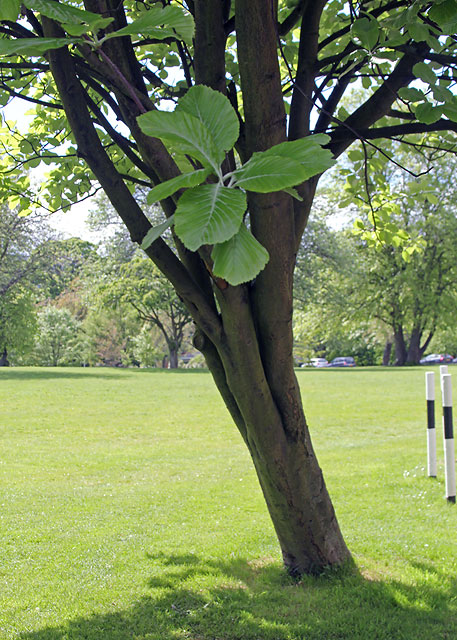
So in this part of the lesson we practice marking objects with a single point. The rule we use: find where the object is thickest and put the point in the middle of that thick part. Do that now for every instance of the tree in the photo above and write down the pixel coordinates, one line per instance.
(57, 338)
(17, 324)
(235, 166)
(144, 287)
(410, 289)
(24, 251)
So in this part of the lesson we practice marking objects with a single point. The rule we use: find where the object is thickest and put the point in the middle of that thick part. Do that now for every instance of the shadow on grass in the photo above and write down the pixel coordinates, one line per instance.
(235, 600)
(51, 373)
(112, 373)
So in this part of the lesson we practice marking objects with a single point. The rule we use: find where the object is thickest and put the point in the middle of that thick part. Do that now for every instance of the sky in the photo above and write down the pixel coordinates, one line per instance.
(71, 223)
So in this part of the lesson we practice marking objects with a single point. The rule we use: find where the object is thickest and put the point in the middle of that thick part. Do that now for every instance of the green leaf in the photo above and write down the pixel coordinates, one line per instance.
(156, 232)
(294, 193)
(427, 113)
(9, 10)
(240, 259)
(450, 110)
(185, 131)
(185, 180)
(160, 22)
(425, 73)
(307, 151)
(209, 214)
(411, 94)
(445, 15)
(66, 14)
(418, 31)
(31, 46)
(265, 174)
(367, 31)
(214, 110)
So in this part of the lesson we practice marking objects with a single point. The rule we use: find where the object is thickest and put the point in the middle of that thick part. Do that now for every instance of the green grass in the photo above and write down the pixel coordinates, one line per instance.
(129, 510)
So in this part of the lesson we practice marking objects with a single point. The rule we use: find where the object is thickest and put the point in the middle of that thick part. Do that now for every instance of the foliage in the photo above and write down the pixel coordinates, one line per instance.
(141, 285)
(145, 349)
(411, 291)
(57, 338)
(17, 324)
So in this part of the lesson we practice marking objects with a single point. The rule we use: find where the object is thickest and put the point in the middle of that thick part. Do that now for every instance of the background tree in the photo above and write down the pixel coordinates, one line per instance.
(25, 251)
(141, 285)
(57, 338)
(237, 225)
(411, 289)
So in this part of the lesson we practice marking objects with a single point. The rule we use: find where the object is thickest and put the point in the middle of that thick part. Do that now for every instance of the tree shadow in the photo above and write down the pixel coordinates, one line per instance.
(233, 599)
(52, 373)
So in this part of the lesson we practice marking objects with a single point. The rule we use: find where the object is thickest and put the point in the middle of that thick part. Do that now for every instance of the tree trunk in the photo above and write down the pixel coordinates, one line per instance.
(414, 350)
(387, 353)
(246, 337)
(400, 347)
(4, 362)
(173, 358)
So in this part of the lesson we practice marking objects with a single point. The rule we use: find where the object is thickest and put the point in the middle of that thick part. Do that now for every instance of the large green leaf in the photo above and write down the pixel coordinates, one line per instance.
(160, 22)
(444, 14)
(269, 173)
(186, 132)
(307, 151)
(31, 46)
(68, 15)
(183, 181)
(215, 111)
(240, 259)
(367, 31)
(156, 232)
(427, 113)
(209, 214)
(9, 9)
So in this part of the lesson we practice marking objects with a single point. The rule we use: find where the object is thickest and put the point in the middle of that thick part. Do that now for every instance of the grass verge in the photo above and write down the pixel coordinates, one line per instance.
(130, 510)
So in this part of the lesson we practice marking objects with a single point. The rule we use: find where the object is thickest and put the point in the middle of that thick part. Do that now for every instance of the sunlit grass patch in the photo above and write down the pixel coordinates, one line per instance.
(130, 510)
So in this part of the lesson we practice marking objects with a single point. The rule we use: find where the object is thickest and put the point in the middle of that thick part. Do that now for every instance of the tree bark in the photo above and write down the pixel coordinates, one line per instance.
(414, 349)
(4, 362)
(400, 347)
(387, 353)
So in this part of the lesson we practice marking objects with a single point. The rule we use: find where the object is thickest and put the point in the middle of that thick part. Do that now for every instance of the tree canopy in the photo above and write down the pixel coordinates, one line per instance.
(229, 113)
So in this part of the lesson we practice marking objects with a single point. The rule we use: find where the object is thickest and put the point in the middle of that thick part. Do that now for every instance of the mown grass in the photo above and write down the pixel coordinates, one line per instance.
(130, 510)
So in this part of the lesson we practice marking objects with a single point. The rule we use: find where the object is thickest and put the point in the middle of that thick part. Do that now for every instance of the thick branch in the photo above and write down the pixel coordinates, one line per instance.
(301, 104)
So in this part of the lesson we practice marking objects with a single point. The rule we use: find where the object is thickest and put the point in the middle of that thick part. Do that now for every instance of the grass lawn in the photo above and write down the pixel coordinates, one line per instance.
(129, 510)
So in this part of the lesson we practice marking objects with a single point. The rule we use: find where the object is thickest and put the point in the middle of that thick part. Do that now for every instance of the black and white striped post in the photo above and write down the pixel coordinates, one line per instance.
(443, 371)
(431, 431)
(449, 453)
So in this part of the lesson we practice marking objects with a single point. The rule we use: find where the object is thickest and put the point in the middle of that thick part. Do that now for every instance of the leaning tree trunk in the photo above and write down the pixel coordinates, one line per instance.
(246, 337)
(254, 368)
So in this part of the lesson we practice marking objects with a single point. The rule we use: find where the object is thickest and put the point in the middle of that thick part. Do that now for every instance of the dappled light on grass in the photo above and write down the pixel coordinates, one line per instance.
(201, 599)
(131, 511)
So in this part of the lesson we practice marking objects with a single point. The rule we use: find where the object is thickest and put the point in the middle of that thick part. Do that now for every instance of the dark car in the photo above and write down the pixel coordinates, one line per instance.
(436, 358)
(346, 361)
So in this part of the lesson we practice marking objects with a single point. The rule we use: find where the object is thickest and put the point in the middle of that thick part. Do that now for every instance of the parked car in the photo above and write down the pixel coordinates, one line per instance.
(436, 358)
(315, 362)
(454, 361)
(319, 362)
(344, 361)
